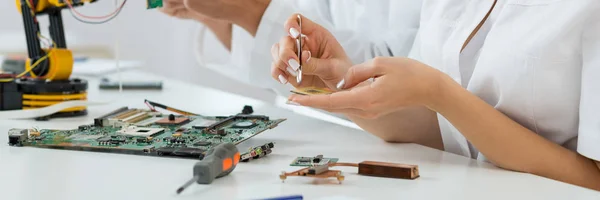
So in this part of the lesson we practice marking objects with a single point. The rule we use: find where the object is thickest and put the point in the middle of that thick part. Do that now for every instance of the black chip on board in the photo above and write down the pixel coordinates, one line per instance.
(202, 143)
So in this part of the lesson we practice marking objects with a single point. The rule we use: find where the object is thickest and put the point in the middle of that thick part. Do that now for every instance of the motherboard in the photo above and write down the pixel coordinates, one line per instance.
(148, 132)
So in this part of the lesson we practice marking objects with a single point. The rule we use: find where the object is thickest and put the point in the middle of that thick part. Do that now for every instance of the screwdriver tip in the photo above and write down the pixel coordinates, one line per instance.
(190, 182)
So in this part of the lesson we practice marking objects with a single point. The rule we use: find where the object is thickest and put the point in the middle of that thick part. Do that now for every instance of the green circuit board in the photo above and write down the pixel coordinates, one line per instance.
(151, 4)
(140, 132)
(310, 161)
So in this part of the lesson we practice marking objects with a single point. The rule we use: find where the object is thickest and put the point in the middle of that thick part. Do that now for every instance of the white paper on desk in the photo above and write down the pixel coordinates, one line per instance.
(321, 115)
(100, 67)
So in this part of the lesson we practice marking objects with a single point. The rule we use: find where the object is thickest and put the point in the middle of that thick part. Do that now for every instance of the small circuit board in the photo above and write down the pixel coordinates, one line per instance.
(151, 4)
(311, 161)
(312, 91)
(257, 152)
(147, 132)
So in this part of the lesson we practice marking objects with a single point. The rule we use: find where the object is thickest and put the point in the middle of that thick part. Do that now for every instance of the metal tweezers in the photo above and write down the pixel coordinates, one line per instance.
(299, 46)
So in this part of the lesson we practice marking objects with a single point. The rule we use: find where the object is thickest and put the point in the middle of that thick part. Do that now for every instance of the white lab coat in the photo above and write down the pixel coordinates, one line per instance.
(539, 65)
(365, 28)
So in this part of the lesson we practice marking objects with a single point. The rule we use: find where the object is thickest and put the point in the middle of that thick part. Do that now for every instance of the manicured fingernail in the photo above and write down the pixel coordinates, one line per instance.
(341, 84)
(292, 103)
(309, 55)
(282, 79)
(294, 33)
(292, 72)
(294, 64)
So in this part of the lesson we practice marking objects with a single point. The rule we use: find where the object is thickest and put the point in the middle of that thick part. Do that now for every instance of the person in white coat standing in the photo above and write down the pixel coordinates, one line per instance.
(365, 29)
(511, 82)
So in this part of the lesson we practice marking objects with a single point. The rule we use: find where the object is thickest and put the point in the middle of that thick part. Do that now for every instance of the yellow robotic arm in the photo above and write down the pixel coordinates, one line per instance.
(44, 78)
(43, 4)
(55, 63)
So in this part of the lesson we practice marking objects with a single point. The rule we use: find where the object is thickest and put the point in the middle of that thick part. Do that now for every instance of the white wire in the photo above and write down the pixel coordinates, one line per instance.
(117, 5)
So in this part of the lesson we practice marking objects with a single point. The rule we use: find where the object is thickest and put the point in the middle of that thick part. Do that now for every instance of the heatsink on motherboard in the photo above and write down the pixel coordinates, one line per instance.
(172, 120)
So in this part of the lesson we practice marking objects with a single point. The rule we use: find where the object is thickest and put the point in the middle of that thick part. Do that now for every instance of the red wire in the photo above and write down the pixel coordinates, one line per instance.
(150, 106)
(33, 10)
(94, 17)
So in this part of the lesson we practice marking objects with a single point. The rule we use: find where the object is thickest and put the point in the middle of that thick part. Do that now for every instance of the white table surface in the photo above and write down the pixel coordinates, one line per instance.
(32, 173)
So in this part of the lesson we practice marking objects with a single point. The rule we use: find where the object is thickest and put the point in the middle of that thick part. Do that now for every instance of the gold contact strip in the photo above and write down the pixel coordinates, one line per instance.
(139, 118)
(141, 113)
(128, 114)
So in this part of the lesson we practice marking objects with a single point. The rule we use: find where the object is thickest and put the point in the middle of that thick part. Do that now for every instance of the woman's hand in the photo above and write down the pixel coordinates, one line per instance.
(244, 13)
(324, 61)
(398, 83)
(177, 8)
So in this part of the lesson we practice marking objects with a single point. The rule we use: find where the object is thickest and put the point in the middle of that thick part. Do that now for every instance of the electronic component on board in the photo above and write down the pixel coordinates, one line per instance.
(310, 161)
(16, 136)
(245, 125)
(247, 110)
(172, 120)
(257, 152)
(141, 131)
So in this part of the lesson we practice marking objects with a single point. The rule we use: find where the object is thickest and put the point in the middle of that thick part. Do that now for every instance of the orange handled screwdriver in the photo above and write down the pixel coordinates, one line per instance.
(220, 161)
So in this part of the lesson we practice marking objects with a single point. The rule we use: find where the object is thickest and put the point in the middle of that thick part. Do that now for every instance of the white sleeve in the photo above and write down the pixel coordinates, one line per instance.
(588, 143)
(210, 53)
(360, 47)
(398, 23)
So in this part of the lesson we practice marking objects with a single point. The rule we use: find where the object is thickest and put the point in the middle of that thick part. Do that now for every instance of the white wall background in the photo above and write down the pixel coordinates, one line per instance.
(164, 43)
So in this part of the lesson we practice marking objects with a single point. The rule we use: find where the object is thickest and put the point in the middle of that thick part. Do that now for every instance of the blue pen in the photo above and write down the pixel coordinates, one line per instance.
(293, 197)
